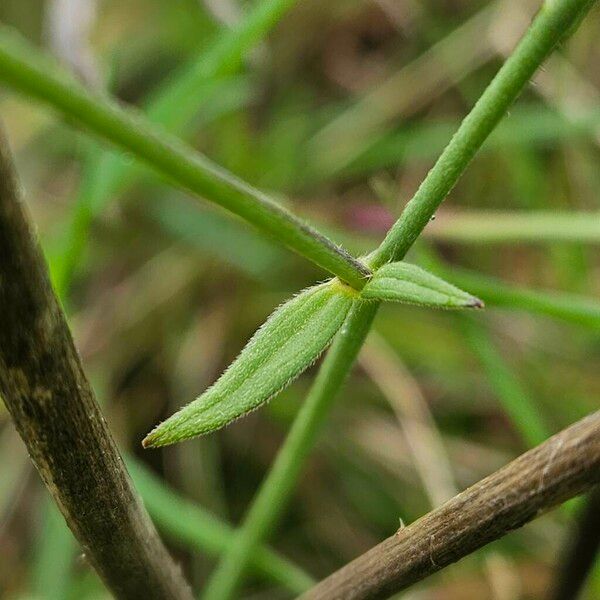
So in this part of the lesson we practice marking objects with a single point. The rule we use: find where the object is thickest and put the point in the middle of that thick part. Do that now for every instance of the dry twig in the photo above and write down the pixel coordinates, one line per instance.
(560, 468)
(56, 414)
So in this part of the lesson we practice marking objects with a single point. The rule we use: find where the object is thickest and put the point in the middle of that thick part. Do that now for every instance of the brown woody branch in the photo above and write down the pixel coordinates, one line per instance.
(560, 468)
(44, 388)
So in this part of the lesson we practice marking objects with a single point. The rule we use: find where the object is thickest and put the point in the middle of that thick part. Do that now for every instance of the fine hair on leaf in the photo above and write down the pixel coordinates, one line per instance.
(407, 283)
(290, 341)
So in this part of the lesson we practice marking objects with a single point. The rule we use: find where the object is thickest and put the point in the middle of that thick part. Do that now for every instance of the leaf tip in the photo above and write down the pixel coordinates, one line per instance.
(154, 439)
(475, 302)
(148, 442)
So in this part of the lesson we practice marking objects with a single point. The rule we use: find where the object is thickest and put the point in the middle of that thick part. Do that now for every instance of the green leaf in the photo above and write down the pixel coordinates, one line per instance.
(403, 282)
(291, 340)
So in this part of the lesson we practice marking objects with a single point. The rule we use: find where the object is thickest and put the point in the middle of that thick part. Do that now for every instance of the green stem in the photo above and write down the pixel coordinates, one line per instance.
(553, 21)
(279, 485)
(174, 105)
(546, 31)
(25, 70)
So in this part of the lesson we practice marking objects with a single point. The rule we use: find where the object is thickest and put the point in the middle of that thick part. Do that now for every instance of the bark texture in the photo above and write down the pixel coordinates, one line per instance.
(43, 386)
(560, 468)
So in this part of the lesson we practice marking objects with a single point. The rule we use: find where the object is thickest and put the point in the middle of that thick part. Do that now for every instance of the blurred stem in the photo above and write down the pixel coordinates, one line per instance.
(539, 40)
(519, 406)
(279, 484)
(553, 21)
(182, 520)
(176, 102)
(63, 266)
(425, 443)
(492, 227)
(398, 97)
(189, 524)
(25, 70)
(494, 292)
(581, 551)
(174, 105)
(14, 473)
(51, 577)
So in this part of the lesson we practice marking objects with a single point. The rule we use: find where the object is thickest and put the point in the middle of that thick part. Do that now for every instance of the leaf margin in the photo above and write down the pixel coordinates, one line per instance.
(327, 296)
(408, 283)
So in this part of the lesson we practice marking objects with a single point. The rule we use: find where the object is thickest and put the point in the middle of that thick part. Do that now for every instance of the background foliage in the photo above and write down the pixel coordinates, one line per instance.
(340, 111)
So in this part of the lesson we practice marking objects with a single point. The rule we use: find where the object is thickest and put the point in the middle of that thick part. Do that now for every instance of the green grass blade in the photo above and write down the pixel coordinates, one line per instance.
(528, 126)
(403, 282)
(175, 104)
(197, 86)
(291, 340)
(398, 96)
(519, 406)
(191, 525)
(55, 554)
(559, 305)
(24, 69)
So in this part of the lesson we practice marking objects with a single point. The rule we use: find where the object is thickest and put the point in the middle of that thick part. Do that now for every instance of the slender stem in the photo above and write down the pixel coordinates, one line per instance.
(566, 465)
(52, 404)
(25, 70)
(268, 504)
(554, 20)
(280, 482)
(173, 106)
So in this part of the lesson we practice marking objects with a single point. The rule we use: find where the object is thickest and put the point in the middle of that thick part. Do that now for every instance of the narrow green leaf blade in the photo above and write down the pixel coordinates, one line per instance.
(291, 340)
(403, 282)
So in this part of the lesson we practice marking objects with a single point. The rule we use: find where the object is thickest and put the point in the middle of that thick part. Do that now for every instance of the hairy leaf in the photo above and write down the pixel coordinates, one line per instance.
(291, 339)
(403, 282)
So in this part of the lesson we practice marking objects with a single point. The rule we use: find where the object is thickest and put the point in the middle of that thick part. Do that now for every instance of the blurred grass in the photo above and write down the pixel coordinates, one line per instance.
(149, 265)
